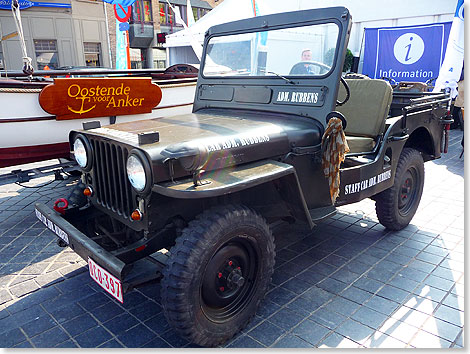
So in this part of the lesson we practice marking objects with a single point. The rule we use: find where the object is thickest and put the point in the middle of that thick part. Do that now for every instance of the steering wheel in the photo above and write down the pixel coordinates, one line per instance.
(392, 82)
(301, 69)
(348, 92)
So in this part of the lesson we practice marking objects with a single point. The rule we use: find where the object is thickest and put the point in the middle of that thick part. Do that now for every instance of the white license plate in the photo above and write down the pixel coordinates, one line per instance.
(107, 281)
(53, 227)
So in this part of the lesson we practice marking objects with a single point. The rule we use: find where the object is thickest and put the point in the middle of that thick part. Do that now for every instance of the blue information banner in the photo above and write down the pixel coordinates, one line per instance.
(25, 4)
(411, 53)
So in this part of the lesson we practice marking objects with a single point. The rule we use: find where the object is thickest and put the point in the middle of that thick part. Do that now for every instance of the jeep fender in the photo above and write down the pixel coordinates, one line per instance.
(241, 178)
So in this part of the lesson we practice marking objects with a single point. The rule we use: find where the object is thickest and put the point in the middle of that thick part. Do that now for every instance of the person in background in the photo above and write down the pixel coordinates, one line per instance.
(306, 69)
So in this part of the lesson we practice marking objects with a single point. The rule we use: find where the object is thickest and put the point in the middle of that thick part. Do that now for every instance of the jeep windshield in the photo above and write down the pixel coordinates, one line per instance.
(294, 51)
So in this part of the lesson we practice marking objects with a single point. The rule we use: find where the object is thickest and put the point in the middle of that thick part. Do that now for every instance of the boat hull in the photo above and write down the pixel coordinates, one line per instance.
(29, 134)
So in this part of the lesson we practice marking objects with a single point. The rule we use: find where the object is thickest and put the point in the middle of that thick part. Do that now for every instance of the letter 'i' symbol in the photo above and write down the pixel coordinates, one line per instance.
(407, 57)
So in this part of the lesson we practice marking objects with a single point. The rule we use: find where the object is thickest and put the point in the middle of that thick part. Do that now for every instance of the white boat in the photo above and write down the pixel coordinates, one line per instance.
(29, 134)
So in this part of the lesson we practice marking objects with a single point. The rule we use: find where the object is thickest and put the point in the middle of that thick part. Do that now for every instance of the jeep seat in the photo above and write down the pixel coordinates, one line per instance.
(365, 112)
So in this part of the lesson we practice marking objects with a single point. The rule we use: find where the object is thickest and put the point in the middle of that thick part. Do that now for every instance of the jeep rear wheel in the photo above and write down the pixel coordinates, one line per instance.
(397, 205)
(217, 274)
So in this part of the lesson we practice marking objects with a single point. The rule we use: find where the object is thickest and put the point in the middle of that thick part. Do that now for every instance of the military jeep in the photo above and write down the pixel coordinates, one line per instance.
(188, 200)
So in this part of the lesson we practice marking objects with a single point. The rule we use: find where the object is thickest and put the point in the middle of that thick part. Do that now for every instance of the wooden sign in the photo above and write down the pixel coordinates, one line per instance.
(78, 98)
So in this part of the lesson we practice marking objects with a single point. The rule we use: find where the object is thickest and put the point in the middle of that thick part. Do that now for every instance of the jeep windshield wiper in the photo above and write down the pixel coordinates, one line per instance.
(282, 77)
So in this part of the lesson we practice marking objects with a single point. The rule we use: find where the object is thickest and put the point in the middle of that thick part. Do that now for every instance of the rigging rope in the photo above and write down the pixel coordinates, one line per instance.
(28, 66)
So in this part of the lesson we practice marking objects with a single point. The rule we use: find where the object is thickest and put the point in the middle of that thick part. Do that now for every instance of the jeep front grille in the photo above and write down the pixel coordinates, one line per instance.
(113, 189)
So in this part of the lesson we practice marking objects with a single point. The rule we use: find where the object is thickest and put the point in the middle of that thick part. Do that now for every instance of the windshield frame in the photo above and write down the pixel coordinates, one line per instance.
(272, 28)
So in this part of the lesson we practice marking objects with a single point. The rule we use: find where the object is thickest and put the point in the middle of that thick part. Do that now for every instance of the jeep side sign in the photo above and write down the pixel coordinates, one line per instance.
(309, 96)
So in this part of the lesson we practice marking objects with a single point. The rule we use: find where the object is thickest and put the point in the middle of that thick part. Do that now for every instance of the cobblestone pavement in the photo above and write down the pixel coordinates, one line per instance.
(347, 283)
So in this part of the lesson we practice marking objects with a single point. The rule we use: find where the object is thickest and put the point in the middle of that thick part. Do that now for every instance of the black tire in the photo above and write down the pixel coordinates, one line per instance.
(396, 206)
(217, 274)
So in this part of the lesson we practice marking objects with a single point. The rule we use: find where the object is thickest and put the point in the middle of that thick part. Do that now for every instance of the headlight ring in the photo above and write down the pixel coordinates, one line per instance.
(82, 152)
(138, 172)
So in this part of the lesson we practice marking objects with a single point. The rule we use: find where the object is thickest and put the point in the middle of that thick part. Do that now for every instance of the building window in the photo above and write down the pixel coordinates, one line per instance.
(142, 12)
(92, 54)
(46, 54)
(167, 17)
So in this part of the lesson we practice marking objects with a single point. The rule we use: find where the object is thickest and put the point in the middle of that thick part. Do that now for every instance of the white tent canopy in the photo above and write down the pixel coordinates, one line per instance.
(365, 13)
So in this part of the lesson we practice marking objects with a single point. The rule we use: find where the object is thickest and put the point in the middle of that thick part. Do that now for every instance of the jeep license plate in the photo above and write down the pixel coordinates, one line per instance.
(106, 280)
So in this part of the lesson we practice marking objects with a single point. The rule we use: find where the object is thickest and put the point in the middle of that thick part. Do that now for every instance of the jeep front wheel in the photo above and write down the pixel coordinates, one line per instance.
(397, 205)
(217, 274)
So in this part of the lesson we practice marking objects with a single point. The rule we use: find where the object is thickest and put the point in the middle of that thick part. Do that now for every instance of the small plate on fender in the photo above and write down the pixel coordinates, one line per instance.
(106, 280)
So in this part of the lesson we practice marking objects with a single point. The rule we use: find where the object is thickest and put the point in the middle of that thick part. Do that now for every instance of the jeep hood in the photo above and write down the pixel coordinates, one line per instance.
(211, 141)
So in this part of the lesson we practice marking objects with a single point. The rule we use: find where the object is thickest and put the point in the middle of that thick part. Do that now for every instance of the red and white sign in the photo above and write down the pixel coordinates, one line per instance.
(107, 281)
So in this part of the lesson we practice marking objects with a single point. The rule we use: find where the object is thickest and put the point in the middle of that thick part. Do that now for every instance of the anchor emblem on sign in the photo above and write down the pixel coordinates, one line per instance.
(81, 111)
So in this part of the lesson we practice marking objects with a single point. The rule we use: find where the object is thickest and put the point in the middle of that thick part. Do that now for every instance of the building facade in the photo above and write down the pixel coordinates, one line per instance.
(150, 21)
(63, 33)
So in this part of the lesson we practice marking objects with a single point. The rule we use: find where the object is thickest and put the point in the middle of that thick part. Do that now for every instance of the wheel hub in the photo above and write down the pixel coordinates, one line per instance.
(228, 280)
(408, 191)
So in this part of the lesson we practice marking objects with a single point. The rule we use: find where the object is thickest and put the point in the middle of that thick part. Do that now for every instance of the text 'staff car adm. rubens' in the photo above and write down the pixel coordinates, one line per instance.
(189, 199)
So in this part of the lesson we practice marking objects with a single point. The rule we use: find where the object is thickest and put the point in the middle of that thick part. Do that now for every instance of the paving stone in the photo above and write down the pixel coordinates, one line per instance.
(421, 304)
(439, 283)
(424, 339)
(327, 318)
(368, 284)
(410, 316)
(398, 330)
(245, 341)
(302, 307)
(429, 292)
(392, 293)
(369, 317)
(442, 329)
(65, 314)
(310, 331)
(317, 295)
(113, 343)
(173, 338)
(355, 294)
(67, 344)
(342, 306)
(38, 325)
(354, 331)
(285, 319)
(335, 340)
(383, 341)
(450, 315)
(266, 333)
(136, 336)
(5, 296)
(120, 323)
(93, 337)
(280, 296)
(24, 288)
(11, 338)
(382, 305)
(158, 324)
(79, 324)
(454, 301)
(48, 279)
(291, 341)
(50, 338)
(332, 285)
(20, 318)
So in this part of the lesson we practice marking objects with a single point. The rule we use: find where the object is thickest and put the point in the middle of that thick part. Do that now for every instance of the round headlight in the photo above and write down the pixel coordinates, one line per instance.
(79, 152)
(136, 173)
